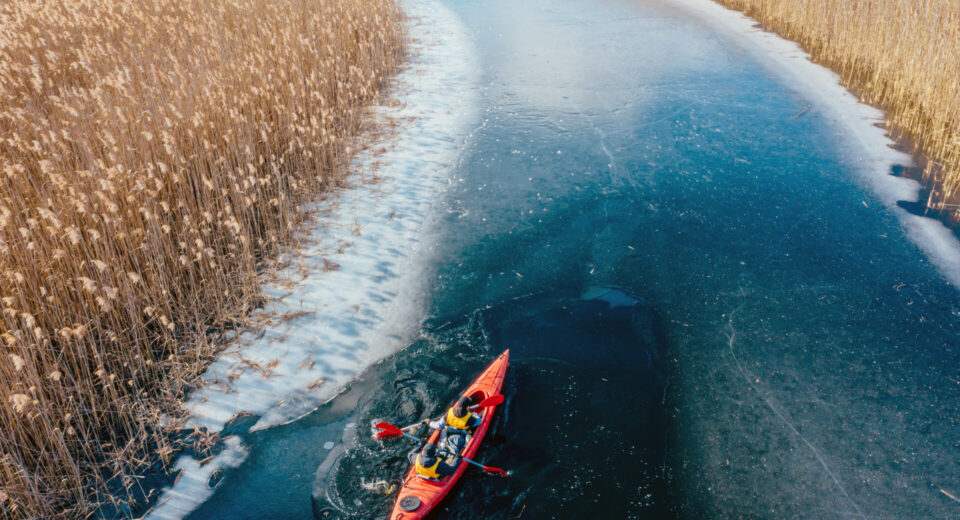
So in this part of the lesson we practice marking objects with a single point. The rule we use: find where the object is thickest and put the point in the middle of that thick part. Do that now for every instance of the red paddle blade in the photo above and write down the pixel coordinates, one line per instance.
(389, 430)
(492, 469)
(493, 400)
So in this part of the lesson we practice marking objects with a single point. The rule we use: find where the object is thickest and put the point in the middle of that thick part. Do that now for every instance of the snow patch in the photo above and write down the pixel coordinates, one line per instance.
(362, 283)
(193, 486)
(857, 123)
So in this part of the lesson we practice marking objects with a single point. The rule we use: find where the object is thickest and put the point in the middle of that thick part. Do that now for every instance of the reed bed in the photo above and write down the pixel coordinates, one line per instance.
(901, 55)
(152, 154)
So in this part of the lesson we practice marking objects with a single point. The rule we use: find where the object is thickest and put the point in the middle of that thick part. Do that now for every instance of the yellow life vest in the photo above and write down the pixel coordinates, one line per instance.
(428, 471)
(459, 423)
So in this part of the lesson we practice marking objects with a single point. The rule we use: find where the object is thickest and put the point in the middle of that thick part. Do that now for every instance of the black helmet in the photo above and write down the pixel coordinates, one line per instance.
(430, 450)
(460, 409)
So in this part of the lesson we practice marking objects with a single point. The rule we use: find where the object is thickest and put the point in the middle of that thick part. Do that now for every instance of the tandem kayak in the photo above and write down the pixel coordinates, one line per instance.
(419, 496)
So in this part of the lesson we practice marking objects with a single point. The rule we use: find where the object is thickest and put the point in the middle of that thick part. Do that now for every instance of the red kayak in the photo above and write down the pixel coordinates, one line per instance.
(419, 496)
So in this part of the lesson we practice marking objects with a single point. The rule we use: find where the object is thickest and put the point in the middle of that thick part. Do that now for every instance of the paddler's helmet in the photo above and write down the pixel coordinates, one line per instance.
(460, 409)
(430, 450)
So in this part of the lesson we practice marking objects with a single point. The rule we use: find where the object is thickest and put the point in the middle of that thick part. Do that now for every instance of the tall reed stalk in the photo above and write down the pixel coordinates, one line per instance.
(902, 55)
(151, 153)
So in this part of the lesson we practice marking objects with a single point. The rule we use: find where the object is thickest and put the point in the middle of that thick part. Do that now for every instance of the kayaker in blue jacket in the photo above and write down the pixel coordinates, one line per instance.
(432, 467)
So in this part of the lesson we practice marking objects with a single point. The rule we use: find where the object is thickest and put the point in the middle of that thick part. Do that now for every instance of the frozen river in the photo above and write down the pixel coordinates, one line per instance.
(808, 330)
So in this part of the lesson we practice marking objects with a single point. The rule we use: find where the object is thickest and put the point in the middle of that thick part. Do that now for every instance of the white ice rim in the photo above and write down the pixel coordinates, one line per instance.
(860, 125)
(361, 286)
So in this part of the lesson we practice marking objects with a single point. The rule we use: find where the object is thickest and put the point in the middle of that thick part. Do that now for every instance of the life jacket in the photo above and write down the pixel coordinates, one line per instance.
(428, 471)
(459, 423)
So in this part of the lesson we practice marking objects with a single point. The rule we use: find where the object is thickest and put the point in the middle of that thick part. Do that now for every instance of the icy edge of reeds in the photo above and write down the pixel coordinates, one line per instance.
(859, 125)
(362, 288)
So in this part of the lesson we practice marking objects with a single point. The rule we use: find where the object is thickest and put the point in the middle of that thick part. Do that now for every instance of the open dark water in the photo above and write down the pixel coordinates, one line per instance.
(571, 450)
(807, 358)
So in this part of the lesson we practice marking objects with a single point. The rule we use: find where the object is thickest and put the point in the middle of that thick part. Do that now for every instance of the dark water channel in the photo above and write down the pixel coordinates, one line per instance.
(583, 431)
(807, 360)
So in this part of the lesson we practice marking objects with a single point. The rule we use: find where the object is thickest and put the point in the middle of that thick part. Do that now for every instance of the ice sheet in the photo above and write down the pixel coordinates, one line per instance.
(856, 122)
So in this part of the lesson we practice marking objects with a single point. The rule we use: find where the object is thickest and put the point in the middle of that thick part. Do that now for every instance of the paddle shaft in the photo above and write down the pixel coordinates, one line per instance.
(475, 463)
(414, 437)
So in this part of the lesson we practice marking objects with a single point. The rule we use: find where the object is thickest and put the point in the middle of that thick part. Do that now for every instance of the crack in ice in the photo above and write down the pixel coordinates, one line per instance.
(730, 332)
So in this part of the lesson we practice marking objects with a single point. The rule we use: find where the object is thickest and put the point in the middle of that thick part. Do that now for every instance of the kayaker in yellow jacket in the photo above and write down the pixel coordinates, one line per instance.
(459, 416)
(457, 425)
(432, 467)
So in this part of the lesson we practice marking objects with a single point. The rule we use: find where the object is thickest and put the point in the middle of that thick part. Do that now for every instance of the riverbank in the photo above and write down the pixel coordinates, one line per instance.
(874, 155)
(148, 176)
(355, 289)
(903, 57)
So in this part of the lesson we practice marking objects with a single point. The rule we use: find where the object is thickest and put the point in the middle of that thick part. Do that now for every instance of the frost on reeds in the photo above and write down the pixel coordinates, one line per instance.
(151, 153)
(902, 55)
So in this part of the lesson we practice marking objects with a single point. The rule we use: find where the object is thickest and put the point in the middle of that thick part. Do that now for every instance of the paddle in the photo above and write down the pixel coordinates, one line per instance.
(493, 400)
(390, 430)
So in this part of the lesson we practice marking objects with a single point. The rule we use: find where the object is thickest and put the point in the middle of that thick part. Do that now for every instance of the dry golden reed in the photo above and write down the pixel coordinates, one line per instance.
(902, 55)
(151, 152)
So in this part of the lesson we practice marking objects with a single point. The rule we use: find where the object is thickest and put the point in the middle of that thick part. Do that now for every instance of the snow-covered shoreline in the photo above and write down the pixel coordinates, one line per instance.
(361, 282)
(858, 124)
